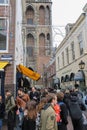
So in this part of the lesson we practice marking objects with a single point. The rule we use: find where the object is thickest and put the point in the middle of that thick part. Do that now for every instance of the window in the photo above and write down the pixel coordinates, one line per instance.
(30, 51)
(80, 41)
(72, 50)
(58, 63)
(4, 1)
(30, 21)
(3, 34)
(63, 58)
(67, 55)
(30, 15)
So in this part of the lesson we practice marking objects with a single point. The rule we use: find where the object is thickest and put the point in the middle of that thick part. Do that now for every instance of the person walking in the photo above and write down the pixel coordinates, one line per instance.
(75, 112)
(2, 112)
(62, 125)
(10, 110)
(21, 100)
(34, 95)
(29, 121)
(48, 117)
(40, 106)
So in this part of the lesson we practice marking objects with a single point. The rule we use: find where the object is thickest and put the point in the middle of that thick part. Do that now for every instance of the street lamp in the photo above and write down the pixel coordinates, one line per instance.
(82, 65)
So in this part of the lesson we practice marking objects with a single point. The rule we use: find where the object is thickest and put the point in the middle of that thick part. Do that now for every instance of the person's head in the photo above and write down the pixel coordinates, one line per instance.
(67, 91)
(31, 107)
(0, 98)
(20, 92)
(76, 85)
(33, 89)
(43, 101)
(7, 93)
(60, 96)
(52, 98)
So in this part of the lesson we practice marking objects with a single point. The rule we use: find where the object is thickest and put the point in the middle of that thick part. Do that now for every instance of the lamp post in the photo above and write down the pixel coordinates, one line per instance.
(82, 65)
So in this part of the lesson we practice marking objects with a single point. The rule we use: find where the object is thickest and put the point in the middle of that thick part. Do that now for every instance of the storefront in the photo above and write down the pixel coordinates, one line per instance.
(3, 64)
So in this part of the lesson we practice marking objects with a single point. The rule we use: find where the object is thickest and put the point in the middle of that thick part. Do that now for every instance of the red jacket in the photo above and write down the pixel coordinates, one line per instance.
(57, 111)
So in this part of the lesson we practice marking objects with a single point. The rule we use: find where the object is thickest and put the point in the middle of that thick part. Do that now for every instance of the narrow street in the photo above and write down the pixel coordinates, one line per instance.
(70, 127)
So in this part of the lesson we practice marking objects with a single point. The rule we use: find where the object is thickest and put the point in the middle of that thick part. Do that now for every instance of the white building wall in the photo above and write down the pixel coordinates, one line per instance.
(19, 44)
(73, 67)
(18, 38)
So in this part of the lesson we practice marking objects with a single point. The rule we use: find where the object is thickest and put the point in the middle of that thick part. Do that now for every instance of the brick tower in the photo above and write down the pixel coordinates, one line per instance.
(37, 20)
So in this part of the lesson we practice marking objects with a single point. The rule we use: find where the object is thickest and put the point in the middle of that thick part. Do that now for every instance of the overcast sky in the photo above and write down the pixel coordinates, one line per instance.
(64, 12)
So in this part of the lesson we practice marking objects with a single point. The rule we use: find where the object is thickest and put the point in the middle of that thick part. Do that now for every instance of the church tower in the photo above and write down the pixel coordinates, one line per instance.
(37, 21)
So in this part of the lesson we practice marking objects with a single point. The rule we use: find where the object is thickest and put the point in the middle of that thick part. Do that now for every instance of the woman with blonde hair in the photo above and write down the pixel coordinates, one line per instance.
(29, 121)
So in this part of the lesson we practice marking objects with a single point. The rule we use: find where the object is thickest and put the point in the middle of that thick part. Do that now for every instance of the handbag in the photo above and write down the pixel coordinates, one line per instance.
(84, 119)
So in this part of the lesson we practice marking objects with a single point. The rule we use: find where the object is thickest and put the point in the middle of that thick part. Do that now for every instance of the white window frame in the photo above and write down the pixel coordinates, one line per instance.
(80, 41)
(67, 55)
(73, 50)
(2, 51)
(5, 3)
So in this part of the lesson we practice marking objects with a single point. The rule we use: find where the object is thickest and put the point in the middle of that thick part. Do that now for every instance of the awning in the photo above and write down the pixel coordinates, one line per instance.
(29, 73)
(3, 64)
(56, 81)
(79, 76)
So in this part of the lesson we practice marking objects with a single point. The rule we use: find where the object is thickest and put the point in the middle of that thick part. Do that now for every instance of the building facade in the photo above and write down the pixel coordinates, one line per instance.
(50, 79)
(38, 35)
(71, 51)
(9, 42)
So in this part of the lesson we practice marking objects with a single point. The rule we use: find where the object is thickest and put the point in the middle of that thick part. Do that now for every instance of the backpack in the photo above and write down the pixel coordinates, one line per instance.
(86, 100)
(75, 111)
(63, 113)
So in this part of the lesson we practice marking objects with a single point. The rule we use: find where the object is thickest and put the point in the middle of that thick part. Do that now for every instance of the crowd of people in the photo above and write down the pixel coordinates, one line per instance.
(45, 109)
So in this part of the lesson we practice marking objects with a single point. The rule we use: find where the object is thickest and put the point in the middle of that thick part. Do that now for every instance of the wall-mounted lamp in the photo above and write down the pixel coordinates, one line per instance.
(82, 65)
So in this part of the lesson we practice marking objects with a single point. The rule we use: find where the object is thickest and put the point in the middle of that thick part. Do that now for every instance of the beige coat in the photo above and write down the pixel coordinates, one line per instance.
(48, 119)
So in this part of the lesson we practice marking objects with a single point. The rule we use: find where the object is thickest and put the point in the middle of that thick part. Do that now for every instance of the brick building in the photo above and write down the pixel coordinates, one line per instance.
(8, 44)
(38, 31)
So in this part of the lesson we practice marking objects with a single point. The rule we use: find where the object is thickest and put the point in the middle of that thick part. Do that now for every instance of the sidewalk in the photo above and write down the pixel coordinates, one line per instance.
(69, 126)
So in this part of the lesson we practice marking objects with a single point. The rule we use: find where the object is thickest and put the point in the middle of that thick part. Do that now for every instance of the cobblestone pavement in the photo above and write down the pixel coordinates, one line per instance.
(69, 126)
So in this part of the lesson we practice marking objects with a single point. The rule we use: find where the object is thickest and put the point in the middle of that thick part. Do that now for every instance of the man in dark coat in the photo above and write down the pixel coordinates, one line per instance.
(34, 95)
(2, 111)
(10, 107)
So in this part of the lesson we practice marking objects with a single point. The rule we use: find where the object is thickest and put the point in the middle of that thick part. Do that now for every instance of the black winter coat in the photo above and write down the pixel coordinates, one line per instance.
(28, 124)
(64, 114)
(2, 110)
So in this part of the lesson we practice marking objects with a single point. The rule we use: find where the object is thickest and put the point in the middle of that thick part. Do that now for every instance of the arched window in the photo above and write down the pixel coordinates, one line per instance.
(30, 45)
(41, 15)
(47, 15)
(30, 15)
(72, 76)
(47, 47)
(62, 79)
(67, 78)
(42, 44)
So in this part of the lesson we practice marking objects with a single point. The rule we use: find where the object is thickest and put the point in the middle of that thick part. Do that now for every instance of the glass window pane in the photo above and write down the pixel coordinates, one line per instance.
(3, 1)
(30, 21)
(3, 34)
